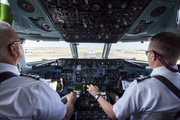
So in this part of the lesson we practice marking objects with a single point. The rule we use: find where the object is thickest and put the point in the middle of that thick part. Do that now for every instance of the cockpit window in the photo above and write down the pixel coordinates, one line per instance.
(42, 51)
(90, 50)
(129, 50)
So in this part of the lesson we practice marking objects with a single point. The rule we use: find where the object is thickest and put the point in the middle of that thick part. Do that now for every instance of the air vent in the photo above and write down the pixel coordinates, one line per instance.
(46, 27)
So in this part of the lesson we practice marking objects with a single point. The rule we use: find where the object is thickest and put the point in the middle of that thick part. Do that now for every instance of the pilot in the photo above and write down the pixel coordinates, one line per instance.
(149, 95)
(22, 97)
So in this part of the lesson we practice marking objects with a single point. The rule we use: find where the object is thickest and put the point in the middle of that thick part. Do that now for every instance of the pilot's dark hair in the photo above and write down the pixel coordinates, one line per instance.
(167, 44)
(7, 35)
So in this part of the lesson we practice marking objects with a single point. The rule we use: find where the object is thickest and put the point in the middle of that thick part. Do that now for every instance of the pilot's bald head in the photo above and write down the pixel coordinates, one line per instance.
(7, 35)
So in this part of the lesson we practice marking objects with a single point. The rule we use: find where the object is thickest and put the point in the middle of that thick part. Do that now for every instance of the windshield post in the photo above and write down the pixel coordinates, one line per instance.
(107, 47)
(73, 47)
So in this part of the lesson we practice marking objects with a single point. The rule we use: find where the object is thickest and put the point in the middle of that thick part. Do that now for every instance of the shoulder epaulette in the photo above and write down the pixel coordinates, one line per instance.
(139, 79)
(34, 76)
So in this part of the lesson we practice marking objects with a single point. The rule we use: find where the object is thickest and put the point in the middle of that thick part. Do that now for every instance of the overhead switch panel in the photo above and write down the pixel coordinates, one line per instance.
(98, 21)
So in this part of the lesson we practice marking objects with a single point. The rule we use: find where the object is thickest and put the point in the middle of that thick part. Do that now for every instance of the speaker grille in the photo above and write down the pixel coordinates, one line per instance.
(26, 6)
(158, 11)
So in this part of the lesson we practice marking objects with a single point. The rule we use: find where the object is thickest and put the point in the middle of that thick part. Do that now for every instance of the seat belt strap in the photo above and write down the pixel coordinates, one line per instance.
(168, 84)
(6, 75)
(172, 87)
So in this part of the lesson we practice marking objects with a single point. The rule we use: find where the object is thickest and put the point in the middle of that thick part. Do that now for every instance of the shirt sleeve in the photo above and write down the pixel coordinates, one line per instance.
(131, 102)
(48, 104)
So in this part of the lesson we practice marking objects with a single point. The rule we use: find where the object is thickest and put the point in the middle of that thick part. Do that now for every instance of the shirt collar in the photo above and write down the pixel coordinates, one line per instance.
(161, 70)
(10, 68)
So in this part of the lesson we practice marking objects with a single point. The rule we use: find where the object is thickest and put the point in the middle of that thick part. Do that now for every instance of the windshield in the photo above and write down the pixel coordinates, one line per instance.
(42, 51)
(129, 50)
(90, 50)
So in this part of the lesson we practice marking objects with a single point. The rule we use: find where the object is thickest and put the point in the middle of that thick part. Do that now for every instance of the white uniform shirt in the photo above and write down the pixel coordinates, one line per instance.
(24, 98)
(150, 95)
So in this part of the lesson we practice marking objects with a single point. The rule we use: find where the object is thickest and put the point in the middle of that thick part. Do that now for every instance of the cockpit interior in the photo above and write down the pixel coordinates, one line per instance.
(91, 21)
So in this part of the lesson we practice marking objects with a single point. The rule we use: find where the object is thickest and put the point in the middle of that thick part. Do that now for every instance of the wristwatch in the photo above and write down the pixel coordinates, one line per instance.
(97, 96)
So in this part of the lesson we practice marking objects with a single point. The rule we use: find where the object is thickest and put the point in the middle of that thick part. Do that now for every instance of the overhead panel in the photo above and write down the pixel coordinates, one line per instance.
(98, 21)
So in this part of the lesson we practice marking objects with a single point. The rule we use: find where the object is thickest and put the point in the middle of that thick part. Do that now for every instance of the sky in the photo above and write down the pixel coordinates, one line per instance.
(120, 45)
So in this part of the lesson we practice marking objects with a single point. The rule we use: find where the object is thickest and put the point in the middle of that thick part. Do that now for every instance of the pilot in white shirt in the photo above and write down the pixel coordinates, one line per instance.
(25, 98)
(29, 98)
(150, 95)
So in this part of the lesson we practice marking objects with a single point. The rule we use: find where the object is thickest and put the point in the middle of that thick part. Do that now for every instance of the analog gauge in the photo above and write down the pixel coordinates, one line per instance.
(116, 76)
(102, 62)
(69, 77)
(70, 83)
(79, 62)
(117, 62)
(108, 62)
(64, 3)
(95, 7)
(92, 74)
(69, 62)
(113, 62)
(89, 75)
(84, 62)
(63, 62)
(48, 75)
(93, 62)
(75, 3)
(74, 62)
(89, 64)
(85, 7)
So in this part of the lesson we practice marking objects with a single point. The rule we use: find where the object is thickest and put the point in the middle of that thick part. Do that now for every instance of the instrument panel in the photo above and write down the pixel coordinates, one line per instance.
(105, 73)
(75, 74)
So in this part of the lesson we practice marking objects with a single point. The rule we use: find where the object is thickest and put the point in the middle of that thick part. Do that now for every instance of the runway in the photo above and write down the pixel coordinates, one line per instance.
(91, 54)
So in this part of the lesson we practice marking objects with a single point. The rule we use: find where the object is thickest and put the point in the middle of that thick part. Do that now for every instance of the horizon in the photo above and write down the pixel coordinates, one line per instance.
(119, 45)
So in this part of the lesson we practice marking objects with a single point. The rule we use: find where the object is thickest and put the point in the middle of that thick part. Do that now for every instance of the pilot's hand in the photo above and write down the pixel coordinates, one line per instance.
(93, 90)
(72, 97)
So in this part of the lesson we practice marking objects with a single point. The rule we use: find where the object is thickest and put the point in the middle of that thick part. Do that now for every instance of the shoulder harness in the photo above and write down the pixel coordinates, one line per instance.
(168, 84)
(6, 75)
